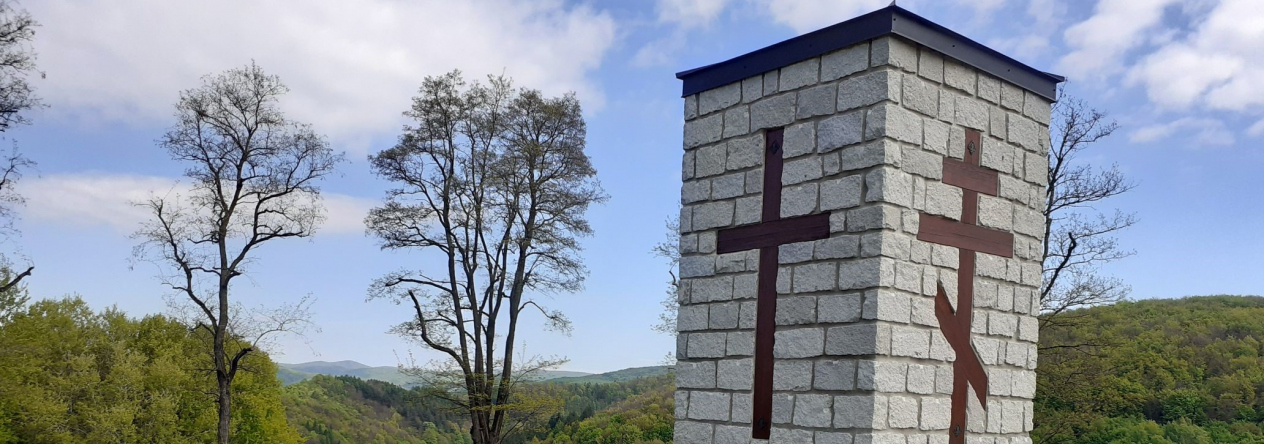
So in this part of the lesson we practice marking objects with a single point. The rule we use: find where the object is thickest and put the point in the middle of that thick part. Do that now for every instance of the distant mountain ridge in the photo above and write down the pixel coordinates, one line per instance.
(294, 373)
(325, 367)
(624, 375)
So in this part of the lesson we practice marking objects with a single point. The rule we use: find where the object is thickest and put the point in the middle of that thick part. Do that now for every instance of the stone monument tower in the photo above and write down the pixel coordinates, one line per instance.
(861, 239)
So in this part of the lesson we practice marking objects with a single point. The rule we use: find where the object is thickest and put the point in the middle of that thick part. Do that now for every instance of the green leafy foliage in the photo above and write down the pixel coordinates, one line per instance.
(582, 401)
(71, 375)
(346, 409)
(1155, 371)
(13, 299)
(645, 418)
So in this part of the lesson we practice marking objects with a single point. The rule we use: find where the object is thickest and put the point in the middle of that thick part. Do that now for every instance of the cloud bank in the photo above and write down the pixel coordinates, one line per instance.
(351, 66)
(92, 200)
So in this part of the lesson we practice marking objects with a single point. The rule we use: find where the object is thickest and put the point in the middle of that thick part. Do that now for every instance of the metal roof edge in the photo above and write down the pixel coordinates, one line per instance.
(889, 20)
(787, 52)
(950, 43)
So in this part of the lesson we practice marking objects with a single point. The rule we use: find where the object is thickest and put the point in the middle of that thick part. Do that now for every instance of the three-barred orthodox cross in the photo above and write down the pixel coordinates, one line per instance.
(969, 238)
(770, 233)
(965, 235)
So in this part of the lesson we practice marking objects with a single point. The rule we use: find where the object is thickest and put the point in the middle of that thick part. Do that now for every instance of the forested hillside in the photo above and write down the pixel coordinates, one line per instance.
(589, 402)
(345, 409)
(626, 374)
(645, 418)
(293, 373)
(72, 375)
(1155, 371)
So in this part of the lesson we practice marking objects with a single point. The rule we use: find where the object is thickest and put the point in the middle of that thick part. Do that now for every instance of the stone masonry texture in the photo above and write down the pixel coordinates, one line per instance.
(859, 356)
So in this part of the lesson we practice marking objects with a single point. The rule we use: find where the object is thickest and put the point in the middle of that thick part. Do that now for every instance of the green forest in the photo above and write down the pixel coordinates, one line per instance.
(75, 375)
(346, 409)
(1154, 371)
(72, 375)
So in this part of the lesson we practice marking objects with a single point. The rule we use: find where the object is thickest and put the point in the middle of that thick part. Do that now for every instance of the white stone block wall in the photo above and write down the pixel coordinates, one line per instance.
(858, 356)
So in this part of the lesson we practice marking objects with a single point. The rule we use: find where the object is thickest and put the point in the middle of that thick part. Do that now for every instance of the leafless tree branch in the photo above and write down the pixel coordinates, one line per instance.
(1078, 239)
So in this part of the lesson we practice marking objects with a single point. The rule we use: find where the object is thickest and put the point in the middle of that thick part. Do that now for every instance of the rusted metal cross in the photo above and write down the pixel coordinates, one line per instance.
(771, 232)
(969, 238)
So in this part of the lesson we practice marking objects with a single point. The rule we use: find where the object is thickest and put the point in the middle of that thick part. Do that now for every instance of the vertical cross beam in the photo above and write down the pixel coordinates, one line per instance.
(770, 233)
(766, 297)
(969, 238)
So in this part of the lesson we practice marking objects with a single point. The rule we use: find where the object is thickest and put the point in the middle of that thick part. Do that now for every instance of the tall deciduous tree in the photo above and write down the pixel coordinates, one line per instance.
(17, 96)
(1078, 237)
(253, 175)
(493, 184)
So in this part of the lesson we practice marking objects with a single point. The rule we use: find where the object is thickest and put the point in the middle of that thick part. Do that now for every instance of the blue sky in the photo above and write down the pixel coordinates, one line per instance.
(1181, 77)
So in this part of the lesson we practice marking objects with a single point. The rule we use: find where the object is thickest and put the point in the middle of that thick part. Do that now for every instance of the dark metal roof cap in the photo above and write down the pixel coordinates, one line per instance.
(890, 20)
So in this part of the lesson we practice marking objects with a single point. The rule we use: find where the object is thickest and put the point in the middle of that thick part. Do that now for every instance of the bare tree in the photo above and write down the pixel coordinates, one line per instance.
(493, 185)
(17, 96)
(670, 250)
(17, 63)
(1078, 236)
(11, 168)
(253, 176)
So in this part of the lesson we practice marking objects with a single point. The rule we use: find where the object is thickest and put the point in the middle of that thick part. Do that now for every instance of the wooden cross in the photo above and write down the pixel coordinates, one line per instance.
(771, 232)
(969, 238)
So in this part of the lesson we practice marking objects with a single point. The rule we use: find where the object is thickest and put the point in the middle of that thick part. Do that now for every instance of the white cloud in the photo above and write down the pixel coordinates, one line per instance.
(1257, 129)
(681, 16)
(91, 200)
(86, 200)
(1158, 73)
(1044, 19)
(1217, 65)
(800, 15)
(985, 8)
(1116, 26)
(1205, 132)
(344, 214)
(810, 15)
(351, 66)
(660, 52)
(1209, 65)
(690, 13)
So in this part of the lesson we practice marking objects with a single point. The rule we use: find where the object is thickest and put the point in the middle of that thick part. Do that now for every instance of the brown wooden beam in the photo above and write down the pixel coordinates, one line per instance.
(765, 334)
(771, 203)
(970, 177)
(944, 231)
(773, 233)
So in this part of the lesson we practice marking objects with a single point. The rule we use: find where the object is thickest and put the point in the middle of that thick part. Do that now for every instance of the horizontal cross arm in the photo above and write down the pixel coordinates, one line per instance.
(944, 231)
(773, 233)
(970, 177)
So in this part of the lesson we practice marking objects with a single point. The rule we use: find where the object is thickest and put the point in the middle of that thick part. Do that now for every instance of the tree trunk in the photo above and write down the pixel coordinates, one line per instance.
(222, 374)
(225, 407)
(480, 431)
